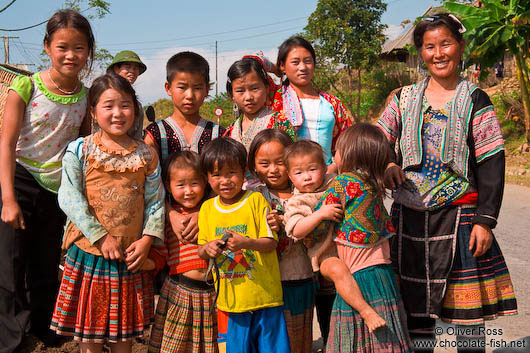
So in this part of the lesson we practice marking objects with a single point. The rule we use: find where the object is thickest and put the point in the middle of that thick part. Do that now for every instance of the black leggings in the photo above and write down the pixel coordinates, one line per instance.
(29, 261)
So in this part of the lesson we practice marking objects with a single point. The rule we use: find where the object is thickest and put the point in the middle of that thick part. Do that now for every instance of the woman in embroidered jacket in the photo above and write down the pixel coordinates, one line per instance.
(448, 179)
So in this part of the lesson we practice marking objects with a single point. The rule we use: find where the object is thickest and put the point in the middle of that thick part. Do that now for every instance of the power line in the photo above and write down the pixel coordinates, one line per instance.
(31, 56)
(5, 7)
(23, 28)
(220, 41)
(207, 35)
(259, 35)
(198, 36)
(32, 26)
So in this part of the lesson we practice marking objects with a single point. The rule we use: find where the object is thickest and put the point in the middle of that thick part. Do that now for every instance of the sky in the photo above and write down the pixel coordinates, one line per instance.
(157, 29)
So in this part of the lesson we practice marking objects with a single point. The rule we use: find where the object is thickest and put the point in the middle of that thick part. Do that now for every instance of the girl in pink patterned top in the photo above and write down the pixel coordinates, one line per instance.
(248, 85)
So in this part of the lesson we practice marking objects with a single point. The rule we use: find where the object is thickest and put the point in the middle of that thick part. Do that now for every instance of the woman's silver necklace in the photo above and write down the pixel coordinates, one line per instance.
(59, 88)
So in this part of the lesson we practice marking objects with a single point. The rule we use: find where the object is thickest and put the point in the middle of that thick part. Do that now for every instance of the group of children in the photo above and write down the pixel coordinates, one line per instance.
(244, 218)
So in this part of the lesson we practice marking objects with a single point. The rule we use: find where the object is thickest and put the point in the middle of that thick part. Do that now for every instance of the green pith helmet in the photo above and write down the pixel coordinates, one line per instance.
(127, 56)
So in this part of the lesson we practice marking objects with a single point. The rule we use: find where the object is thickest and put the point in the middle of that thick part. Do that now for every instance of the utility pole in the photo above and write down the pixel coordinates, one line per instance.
(216, 83)
(6, 48)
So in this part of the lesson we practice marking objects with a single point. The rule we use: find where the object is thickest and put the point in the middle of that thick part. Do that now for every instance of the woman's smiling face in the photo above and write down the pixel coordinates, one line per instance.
(442, 53)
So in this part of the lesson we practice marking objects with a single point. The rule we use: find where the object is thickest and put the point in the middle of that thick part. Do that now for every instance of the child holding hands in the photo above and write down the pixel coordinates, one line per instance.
(188, 83)
(112, 193)
(184, 321)
(266, 161)
(248, 273)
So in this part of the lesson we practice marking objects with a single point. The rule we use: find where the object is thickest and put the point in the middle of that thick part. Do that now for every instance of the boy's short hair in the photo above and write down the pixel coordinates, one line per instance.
(303, 148)
(223, 150)
(190, 62)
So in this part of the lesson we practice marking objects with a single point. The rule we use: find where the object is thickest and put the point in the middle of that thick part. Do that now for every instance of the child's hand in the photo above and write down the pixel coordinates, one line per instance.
(12, 215)
(213, 248)
(185, 226)
(148, 265)
(236, 242)
(332, 212)
(137, 253)
(394, 176)
(110, 248)
(274, 220)
(191, 231)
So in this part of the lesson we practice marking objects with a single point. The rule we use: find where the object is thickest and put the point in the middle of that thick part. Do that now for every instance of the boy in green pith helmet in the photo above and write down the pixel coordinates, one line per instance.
(128, 65)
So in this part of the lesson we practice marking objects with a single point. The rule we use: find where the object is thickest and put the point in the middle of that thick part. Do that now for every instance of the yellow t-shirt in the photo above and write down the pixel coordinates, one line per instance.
(249, 280)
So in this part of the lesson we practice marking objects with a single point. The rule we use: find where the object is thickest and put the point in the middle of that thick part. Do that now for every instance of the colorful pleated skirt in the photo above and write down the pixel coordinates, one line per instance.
(101, 301)
(298, 306)
(185, 320)
(349, 333)
(455, 286)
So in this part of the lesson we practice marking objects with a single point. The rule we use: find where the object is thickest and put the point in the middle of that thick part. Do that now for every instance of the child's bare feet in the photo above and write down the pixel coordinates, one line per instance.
(148, 265)
(372, 319)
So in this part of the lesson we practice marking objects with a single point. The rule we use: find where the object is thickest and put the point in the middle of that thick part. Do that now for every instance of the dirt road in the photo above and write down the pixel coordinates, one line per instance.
(513, 235)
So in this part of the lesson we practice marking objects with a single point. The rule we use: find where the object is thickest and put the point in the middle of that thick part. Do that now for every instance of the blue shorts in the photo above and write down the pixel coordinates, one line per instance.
(262, 331)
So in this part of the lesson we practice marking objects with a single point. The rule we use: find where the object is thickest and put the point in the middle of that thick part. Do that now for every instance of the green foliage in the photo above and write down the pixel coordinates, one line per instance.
(96, 8)
(164, 108)
(386, 78)
(224, 102)
(377, 84)
(349, 32)
(347, 35)
(512, 123)
(102, 59)
(498, 26)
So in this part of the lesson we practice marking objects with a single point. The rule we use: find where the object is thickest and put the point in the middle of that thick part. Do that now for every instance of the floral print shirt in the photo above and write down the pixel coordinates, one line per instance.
(366, 222)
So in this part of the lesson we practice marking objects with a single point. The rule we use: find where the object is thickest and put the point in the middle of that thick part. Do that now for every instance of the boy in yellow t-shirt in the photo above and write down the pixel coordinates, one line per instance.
(249, 276)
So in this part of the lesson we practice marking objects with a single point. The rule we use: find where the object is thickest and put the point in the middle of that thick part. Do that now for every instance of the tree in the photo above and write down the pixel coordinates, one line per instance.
(348, 34)
(164, 108)
(494, 28)
(96, 8)
(222, 101)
